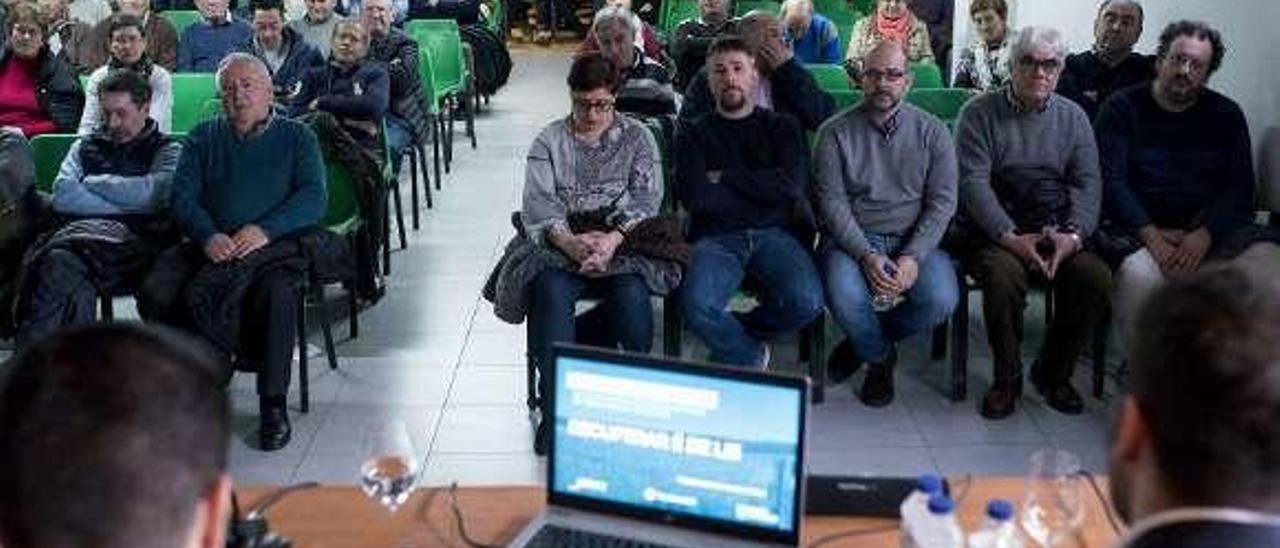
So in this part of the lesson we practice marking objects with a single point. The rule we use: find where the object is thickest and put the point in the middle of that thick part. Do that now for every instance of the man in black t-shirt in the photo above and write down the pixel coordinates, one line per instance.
(1090, 77)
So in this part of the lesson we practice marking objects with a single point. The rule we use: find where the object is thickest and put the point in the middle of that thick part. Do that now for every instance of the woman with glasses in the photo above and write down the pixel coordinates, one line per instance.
(39, 92)
(128, 48)
(890, 21)
(984, 64)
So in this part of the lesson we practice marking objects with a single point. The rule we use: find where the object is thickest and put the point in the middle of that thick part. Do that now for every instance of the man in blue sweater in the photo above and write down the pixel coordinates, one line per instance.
(204, 44)
(815, 39)
(742, 173)
(243, 182)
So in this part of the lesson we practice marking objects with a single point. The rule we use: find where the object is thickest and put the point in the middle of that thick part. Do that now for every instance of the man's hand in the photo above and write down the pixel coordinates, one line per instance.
(1192, 250)
(1023, 246)
(248, 239)
(774, 52)
(219, 248)
(1161, 244)
(908, 272)
(873, 268)
(1065, 244)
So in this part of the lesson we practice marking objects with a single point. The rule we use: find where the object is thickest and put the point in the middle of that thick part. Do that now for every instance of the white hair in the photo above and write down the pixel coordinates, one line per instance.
(613, 15)
(241, 58)
(1032, 38)
(788, 5)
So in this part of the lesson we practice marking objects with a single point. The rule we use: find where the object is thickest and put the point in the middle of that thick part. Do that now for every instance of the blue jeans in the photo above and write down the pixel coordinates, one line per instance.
(626, 311)
(927, 303)
(778, 268)
(399, 137)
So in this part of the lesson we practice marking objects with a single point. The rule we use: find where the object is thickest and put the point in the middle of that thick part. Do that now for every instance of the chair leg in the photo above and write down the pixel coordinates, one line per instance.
(960, 345)
(108, 307)
(435, 147)
(317, 293)
(395, 191)
(304, 377)
(938, 349)
(671, 327)
(386, 235)
(1101, 336)
(421, 150)
(413, 184)
(448, 140)
(817, 365)
(471, 120)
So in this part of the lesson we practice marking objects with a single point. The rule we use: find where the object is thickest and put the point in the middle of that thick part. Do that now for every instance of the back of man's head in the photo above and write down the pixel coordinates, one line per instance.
(1206, 380)
(111, 436)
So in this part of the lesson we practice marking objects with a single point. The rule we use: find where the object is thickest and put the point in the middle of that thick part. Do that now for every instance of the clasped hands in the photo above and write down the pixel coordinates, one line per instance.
(1024, 246)
(591, 250)
(904, 273)
(221, 247)
(1176, 250)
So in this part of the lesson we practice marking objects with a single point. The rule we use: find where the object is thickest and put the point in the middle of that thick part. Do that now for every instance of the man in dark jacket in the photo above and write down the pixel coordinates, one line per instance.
(356, 92)
(280, 47)
(1089, 77)
(690, 40)
(407, 121)
(784, 84)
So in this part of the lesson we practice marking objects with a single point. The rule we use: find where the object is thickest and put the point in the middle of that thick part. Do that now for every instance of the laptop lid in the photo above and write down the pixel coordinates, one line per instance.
(698, 446)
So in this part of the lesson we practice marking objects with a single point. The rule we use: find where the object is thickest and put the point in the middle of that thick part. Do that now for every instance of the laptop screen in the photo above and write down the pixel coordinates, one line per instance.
(696, 445)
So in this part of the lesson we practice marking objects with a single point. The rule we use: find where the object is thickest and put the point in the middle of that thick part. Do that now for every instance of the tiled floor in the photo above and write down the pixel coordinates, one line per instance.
(432, 355)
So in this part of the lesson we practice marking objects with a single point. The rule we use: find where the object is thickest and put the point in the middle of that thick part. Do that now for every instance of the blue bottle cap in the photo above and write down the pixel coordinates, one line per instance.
(939, 505)
(1000, 510)
(929, 483)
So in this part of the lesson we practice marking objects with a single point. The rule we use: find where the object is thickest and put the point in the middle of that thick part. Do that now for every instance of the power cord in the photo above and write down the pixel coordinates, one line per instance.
(1102, 498)
(961, 491)
(462, 523)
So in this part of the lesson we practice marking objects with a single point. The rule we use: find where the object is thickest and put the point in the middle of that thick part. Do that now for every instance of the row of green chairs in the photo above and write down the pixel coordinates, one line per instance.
(945, 103)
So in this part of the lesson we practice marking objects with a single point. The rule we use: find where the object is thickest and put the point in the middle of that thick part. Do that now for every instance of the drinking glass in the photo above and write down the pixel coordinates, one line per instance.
(390, 469)
(1054, 505)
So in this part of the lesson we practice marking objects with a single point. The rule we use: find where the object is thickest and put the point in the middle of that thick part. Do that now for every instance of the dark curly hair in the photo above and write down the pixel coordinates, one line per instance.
(1194, 29)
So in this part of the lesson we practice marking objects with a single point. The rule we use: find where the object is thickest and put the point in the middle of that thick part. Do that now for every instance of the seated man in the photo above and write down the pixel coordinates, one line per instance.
(646, 86)
(1034, 200)
(1195, 444)
(1177, 165)
(111, 199)
(283, 50)
(690, 40)
(132, 424)
(128, 52)
(407, 122)
(316, 27)
(205, 43)
(814, 38)
(245, 184)
(783, 85)
(886, 184)
(1091, 76)
(356, 92)
(67, 38)
(161, 37)
(646, 38)
(743, 171)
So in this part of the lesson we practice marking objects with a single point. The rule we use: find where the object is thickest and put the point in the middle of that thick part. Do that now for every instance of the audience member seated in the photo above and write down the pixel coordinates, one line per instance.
(67, 38)
(354, 91)
(938, 17)
(355, 9)
(130, 426)
(984, 64)
(781, 84)
(892, 21)
(407, 122)
(217, 33)
(1195, 444)
(1034, 199)
(161, 37)
(814, 38)
(128, 52)
(39, 92)
(246, 186)
(1178, 168)
(281, 48)
(743, 172)
(689, 42)
(316, 27)
(646, 39)
(646, 84)
(90, 12)
(886, 188)
(111, 202)
(1112, 65)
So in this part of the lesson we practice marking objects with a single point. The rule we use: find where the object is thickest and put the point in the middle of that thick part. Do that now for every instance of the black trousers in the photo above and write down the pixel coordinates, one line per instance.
(269, 329)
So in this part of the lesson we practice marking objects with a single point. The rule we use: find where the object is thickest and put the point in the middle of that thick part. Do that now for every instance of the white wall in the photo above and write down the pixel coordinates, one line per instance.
(1250, 74)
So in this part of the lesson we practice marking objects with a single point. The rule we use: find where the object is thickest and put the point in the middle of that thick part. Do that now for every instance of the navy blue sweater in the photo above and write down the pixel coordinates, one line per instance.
(763, 170)
(202, 46)
(1175, 170)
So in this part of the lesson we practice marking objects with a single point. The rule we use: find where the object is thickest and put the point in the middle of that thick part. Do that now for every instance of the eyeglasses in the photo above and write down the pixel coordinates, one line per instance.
(890, 75)
(1029, 63)
(27, 31)
(602, 106)
(1192, 64)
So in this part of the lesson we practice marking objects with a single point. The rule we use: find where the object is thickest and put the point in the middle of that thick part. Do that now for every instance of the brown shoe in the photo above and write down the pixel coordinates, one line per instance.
(1001, 400)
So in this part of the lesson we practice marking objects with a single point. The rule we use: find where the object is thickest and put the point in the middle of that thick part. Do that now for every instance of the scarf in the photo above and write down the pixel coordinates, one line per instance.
(142, 67)
(895, 30)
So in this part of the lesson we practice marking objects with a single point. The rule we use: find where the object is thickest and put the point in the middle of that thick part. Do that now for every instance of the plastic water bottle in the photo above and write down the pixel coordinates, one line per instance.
(915, 508)
(940, 529)
(999, 529)
(883, 302)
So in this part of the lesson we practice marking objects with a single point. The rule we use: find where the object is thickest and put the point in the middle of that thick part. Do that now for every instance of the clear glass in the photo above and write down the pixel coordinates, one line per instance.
(390, 469)
(1053, 509)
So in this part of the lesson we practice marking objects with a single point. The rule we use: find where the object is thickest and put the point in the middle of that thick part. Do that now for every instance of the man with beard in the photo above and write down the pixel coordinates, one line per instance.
(1177, 165)
(742, 170)
(886, 184)
(1196, 445)
(1091, 76)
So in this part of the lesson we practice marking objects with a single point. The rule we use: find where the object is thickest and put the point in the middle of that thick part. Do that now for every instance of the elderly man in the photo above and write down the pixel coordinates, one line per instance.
(1034, 200)
(205, 43)
(161, 37)
(742, 171)
(690, 40)
(1112, 65)
(132, 424)
(814, 38)
(111, 200)
(1177, 165)
(246, 185)
(1195, 444)
(356, 92)
(67, 38)
(645, 38)
(316, 27)
(783, 84)
(646, 86)
(281, 48)
(407, 121)
(886, 183)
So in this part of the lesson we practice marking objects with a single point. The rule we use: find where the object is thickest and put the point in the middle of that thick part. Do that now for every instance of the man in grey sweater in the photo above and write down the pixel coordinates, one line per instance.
(886, 183)
(316, 27)
(1030, 182)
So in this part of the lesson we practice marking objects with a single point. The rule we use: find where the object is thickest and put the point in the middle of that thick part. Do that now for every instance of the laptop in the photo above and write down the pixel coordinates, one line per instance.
(653, 451)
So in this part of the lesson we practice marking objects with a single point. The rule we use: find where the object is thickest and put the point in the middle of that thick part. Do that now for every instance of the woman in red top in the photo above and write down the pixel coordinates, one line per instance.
(39, 92)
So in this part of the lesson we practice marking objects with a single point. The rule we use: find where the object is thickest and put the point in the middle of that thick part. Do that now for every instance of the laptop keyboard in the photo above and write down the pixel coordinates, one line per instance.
(551, 536)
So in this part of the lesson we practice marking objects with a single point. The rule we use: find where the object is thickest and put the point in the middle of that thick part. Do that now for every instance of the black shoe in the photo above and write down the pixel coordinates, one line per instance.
(274, 431)
(841, 364)
(877, 388)
(1002, 399)
(1061, 396)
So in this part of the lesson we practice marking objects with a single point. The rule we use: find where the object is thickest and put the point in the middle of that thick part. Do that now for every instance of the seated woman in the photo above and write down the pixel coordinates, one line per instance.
(984, 64)
(39, 92)
(129, 52)
(592, 180)
(893, 21)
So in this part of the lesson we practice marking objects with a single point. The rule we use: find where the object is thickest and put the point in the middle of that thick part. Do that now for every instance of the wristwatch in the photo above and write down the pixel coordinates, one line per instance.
(1076, 238)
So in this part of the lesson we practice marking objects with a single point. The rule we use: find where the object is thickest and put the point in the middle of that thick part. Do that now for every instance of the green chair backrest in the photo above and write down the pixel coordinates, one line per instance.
(838, 11)
(441, 38)
(846, 98)
(426, 70)
(743, 7)
(181, 19)
(864, 6)
(342, 214)
(190, 93)
(829, 77)
(48, 151)
(927, 76)
(945, 103)
(675, 12)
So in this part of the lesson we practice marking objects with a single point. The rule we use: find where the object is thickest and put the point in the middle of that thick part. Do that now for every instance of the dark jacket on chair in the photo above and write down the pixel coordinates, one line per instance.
(57, 90)
(399, 55)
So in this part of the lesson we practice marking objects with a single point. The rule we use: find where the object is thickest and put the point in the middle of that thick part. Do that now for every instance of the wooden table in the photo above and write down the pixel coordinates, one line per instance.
(333, 516)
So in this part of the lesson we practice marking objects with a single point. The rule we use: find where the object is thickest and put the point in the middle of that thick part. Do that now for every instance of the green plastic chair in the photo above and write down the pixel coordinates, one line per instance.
(181, 19)
(927, 76)
(829, 77)
(48, 152)
(342, 215)
(190, 93)
(675, 12)
(450, 78)
(747, 6)
(846, 98)
(945, 103)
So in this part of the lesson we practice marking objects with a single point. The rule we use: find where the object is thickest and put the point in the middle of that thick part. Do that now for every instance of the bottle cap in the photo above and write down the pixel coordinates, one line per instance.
(939, 505)
(1000, 510)
(929, 483)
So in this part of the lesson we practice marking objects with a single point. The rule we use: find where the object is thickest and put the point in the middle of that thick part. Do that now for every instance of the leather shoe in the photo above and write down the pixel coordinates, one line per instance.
(877, 387)
(1061, 396)
(274, 431)
(1002, 399)
(841, 364)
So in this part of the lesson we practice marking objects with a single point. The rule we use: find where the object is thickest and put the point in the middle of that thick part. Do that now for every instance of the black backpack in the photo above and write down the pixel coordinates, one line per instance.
(492, 60)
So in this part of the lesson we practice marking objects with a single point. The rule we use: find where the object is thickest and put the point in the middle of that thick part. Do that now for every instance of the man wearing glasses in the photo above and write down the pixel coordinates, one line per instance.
(1031, 190)
(886, 184)
(1177, 167)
